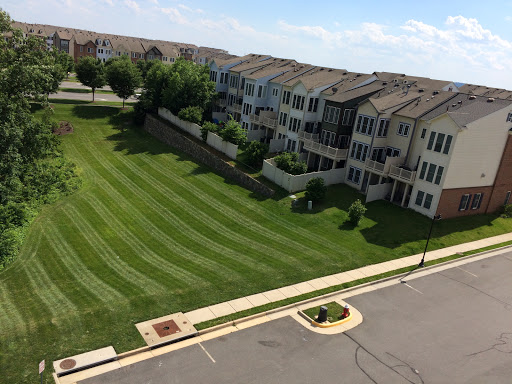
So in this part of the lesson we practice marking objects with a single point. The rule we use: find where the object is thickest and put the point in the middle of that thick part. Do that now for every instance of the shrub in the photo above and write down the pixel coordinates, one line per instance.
(256, 152)
(356, 212)
(192, 114)
(233, 132)
(507, 210)
(288, 162)
(315, 189)
(208, 126)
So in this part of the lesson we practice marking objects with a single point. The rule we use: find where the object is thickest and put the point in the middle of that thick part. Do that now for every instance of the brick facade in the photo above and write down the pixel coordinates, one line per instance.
(449, 202)
(84, 51)
(503, 182)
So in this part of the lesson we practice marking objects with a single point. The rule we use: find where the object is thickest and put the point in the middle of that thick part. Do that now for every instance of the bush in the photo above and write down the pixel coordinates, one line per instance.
(233, 132)
(315, 189)
(289, 163)
(256, 152)
(208, 126)
(192, 114)
(507, 210)
(356, 212)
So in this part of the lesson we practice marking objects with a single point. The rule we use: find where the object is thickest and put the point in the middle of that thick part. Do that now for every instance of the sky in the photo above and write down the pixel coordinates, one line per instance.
(462, 41)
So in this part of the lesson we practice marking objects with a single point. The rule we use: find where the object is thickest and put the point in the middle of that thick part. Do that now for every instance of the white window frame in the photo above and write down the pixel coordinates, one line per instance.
(313, 104)
(275, 91)
(477, 201)
(382, 130)
(359, 151)
(286, 97)
(464, 202)
(509, 117)
(368, 127)
(331, 114)
(348, 116)
(403, 129)
(354, 175)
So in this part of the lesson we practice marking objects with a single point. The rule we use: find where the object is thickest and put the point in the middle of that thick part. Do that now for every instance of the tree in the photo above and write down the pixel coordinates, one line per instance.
(192, 114)
(65, 61)
(256, 152)
(356, 212)
(315, 189)
(91, 73)
(233, 132)
(289, 162)
(123, 77)
(145, 66)
(187, 84)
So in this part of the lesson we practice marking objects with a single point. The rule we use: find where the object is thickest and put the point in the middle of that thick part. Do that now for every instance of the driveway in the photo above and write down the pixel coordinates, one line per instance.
(453, 326)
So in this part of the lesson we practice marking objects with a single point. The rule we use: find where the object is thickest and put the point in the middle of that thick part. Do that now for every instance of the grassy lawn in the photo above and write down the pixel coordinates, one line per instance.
(80, 90)
(152, 232)
(334, 310)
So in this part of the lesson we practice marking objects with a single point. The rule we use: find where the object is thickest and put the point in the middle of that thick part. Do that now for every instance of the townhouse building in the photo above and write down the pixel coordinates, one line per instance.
(104, 50)
(84, 45)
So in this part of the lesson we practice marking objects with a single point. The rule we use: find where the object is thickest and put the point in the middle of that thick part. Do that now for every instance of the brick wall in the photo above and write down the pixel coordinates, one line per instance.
(503, 182)
(449, 202)
(166, 133)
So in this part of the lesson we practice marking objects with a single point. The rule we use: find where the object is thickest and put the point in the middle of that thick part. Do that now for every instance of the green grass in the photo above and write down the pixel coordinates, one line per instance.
(95, 103)
(152, 232)
(81, 90)
(334, 310)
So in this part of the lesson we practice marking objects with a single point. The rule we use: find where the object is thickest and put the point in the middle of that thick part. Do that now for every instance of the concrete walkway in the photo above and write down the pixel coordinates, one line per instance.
(222, 309)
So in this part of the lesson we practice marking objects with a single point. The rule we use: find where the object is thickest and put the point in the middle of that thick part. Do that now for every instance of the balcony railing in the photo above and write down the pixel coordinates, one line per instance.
(311, 144)
(402, 174)
(254, 118)
(382, 168)
(237, 108)
(303, 135)
(268, 122)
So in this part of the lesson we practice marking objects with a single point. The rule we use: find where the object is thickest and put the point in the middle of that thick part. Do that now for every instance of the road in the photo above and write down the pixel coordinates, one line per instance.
(453, 326)
(87, 96)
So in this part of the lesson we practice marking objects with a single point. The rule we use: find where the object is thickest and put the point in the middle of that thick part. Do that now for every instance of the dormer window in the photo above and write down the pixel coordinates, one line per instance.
(31, 30)
(107, 43)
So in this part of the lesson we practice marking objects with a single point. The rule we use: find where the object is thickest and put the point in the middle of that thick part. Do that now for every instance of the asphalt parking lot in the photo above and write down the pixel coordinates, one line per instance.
(453, 326)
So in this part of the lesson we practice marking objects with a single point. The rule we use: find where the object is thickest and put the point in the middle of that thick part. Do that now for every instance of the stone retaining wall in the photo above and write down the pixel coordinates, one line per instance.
(167, 134)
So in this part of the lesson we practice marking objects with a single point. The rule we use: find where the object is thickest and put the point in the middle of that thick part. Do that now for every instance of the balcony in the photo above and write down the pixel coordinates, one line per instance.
(382, 168)
(402, 174)
(268, 119)
(237, 108)
(221, 102)
(255, 119)
(312, 144)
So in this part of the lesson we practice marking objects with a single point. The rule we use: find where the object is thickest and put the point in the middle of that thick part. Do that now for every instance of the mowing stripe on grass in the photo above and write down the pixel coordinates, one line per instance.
(10, 318)
(112, 258)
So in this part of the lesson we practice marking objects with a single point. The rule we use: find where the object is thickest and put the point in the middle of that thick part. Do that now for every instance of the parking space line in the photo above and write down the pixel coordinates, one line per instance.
(205, 351)
(508, 258)
(472, 274)
(414, 289)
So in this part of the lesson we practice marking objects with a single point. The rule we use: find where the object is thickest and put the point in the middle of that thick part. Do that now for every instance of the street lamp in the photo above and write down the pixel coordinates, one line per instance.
(422, 262)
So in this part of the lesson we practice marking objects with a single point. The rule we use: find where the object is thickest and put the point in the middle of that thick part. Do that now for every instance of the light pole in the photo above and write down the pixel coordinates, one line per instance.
(422, 262)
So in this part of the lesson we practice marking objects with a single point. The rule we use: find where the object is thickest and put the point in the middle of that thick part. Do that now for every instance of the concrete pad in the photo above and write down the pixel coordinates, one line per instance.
(304, 287)
(135, 358)
(221, 309)
(331, 280)
(274, 295)
(367, 271)
(252, 322)
(356, 274)
(240, 304)
(379, 268)
(166, 329)
(82, 375)
(398, 263)
(258, 299)
(199, 315)
(84, 360)
(218, 333)
(318, 283)
(343, 277)
(283, 313)
(289, 291)
(173, 347)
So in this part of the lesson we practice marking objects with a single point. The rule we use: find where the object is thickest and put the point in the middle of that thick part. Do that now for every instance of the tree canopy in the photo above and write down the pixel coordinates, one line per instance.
(123, 77)
(91, 73)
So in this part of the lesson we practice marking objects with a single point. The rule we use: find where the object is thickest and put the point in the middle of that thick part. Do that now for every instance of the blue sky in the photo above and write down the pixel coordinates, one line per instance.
(465, 41)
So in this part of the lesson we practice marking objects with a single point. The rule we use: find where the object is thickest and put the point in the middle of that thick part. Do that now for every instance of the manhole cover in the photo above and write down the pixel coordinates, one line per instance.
(166, 328)
(67, 364)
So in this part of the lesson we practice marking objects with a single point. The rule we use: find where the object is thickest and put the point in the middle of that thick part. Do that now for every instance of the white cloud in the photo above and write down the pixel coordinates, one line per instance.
(175, 15)
(153, 2)
(133, 5)
(188, 9)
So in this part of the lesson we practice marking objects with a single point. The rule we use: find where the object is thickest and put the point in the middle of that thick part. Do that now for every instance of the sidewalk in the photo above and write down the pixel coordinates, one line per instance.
(222, 309)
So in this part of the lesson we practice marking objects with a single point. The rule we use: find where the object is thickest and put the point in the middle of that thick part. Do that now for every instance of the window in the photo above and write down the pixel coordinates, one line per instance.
(509, 117)
(477, 201)
(331, 115)
(378, 154)
(286, 97)
(359, 151)
(291, 146)
(150, 57)
(428, 201)
(439, 142)
(298, 102)
(365, 125)
(164, 58)
(213, 76)
(392, 152)
(313, 104)
(354, 175)
(431, 172)
(262, 91)
(419, 198)
(242, 84)
(224, 78)
(247, 108)
(81, 48)
(348, 116)
(249, 89)
(233, 81)
(447, 144)
(294, 124)
(439, 175)
(431, 140)
(275, 92)
(423, 170)
(89, 50)
(464, 202)
(403, 129)
(423, 133)
(141, 55)
(282, 118)
(100, 50)
(328, 138)
(507, 198)
(383, 127)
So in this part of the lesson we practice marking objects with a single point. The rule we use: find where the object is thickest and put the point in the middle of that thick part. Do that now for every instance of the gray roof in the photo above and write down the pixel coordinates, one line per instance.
(425, 103)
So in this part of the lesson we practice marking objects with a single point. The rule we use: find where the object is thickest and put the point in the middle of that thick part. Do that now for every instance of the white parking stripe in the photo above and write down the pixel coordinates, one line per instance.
(205, 351)
(472, 274)
(412, 288)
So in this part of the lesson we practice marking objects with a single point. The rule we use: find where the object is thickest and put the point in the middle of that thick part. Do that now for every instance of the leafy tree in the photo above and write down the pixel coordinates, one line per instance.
(32, 169)
(256, 152)
(233, 132)
(91, 73)
(356, 212)
(187, 84)
(209, 126)
(192, 114)
(289, 162)
(145, 66)
(123, 77)
(315, 189)
(65, 61)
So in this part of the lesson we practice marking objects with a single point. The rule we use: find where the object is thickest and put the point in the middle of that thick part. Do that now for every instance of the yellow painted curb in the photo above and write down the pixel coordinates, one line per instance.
(321, 325)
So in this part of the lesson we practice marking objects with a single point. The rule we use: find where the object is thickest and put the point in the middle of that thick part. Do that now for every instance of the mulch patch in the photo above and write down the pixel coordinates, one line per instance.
(65, 128)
